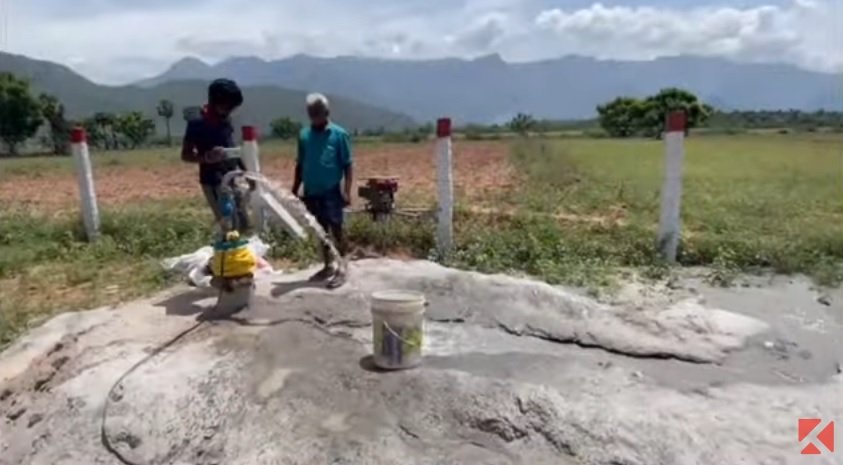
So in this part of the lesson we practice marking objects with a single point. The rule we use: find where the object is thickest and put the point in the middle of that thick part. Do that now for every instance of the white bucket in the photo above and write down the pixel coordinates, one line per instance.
(398, 329)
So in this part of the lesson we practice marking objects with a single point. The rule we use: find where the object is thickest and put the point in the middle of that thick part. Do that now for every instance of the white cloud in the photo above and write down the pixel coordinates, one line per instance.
(806, 33)
(127, 40)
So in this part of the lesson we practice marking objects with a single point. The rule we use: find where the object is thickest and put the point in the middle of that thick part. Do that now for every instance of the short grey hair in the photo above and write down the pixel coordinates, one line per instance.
(317, 99)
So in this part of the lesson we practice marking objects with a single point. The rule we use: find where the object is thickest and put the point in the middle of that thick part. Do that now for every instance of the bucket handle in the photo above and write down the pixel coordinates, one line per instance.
(391, 331)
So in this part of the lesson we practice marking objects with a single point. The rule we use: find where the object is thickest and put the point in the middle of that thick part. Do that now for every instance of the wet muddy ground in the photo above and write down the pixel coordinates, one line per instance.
(515, 371)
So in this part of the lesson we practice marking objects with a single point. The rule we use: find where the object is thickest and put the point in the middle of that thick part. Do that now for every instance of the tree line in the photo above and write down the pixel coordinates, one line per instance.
(645, 117)
(22, 114)
(776, 119)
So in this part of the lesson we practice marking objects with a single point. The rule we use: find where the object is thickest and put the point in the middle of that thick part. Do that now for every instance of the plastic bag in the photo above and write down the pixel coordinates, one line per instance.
(194, 266)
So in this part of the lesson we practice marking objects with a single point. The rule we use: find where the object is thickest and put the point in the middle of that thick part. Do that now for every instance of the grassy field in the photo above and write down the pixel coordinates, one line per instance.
(567, 210)
(749, 202)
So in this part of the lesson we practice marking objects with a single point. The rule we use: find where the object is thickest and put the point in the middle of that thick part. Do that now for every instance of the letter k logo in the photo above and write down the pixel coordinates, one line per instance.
(811, 435)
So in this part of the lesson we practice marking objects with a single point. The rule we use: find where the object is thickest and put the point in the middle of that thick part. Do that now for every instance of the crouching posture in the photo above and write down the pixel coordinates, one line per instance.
(324, 167)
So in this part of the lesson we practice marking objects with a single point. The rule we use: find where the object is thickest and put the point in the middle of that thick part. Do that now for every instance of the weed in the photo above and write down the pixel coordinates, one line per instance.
(724, 269)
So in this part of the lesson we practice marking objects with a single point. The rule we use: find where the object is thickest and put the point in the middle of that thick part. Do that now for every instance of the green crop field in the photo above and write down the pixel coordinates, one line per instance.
(569, 210)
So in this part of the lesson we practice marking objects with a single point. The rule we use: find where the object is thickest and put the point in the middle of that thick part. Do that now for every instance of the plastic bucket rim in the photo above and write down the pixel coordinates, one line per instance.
(413, 302)
(392, 296)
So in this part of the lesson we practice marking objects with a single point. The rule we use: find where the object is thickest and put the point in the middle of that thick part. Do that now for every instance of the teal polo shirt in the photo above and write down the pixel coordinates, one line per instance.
(323, 157)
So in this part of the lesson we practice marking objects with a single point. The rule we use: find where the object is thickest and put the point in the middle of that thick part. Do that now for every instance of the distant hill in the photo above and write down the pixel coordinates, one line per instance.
(488, 89)
(83, 98)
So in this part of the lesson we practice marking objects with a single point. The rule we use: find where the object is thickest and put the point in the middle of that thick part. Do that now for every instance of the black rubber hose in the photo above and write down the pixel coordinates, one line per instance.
(103, 433)
(106, 442)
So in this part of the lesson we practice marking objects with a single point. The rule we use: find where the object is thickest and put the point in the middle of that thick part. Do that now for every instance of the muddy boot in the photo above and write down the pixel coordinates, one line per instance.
(340, 277)
(328, 270)
(324, 274)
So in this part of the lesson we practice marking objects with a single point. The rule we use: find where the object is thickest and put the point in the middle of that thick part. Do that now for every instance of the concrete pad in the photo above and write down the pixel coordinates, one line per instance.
(516, 371)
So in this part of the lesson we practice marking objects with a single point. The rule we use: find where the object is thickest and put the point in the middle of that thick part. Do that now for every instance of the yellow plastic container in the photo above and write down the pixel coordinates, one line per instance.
(233, 258)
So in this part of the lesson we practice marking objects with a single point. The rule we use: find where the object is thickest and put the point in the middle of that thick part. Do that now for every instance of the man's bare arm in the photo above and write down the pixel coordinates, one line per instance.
(188, 152)
(349, 182)
(297, 179)
(297, 174)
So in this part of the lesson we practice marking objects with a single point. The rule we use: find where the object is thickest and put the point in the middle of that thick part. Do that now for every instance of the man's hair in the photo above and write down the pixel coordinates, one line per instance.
(225, 91)
(317, 99)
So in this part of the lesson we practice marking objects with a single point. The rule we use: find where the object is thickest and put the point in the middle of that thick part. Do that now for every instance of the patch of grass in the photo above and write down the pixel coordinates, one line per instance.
(47, 266)
(586, 210)
(752, 202)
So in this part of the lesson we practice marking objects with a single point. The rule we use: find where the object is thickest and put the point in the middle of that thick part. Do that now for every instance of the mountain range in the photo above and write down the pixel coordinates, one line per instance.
(371, 93)
(83, 98)
(489, 89)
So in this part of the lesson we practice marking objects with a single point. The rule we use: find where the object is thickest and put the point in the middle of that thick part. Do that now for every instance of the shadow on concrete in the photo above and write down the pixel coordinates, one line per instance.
(367, 363)
(186, 303)
(281, 289)
(265, 322)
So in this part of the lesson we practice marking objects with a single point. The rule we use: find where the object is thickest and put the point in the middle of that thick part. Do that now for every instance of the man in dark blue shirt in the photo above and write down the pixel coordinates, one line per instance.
(207, 136)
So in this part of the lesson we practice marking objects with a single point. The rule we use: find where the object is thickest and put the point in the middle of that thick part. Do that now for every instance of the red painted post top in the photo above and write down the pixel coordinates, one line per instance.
(250, 134)
(77, 135)
(677, 121)
(443, 127)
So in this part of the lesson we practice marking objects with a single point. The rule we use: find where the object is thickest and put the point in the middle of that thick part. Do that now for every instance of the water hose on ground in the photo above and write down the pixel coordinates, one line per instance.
(302, 212)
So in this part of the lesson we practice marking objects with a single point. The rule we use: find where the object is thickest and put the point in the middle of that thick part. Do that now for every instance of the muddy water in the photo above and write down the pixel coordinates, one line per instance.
(804, 343)
(297, 208)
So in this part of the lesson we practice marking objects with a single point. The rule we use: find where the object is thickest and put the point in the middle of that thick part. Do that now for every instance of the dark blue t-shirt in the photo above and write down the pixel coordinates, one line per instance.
(203, 135)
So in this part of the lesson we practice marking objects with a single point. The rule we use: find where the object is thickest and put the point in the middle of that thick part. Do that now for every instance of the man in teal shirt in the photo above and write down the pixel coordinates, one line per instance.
(324, 166)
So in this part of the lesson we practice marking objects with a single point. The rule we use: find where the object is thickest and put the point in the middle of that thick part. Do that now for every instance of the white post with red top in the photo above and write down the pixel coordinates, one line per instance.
(251, 158)
(85, 177)
(445, 186)
(671, 198)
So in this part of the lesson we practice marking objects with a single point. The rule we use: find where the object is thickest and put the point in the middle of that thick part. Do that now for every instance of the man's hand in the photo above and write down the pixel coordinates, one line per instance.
(215, 155)
(346, 198)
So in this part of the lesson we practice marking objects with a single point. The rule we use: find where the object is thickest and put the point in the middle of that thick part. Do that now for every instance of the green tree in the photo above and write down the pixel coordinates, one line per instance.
(621, 117)
(20, 112)
(285, 128)
(53, 112)
(626, 116)
(106, 123)
(96, 136)
(657, 107)
(135, 128)
(522, 124)
(166, 110)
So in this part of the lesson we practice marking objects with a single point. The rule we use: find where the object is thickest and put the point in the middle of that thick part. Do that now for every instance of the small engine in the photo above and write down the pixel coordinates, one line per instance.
(379, 193)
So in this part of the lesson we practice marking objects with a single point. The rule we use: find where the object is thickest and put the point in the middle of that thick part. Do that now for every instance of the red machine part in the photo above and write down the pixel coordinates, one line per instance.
(379, 193)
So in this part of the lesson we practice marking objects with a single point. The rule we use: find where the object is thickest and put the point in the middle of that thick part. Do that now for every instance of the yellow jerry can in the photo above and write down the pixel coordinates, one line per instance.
(233, 258)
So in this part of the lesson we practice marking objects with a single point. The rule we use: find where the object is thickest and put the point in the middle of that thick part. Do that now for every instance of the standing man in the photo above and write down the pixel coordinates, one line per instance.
(324, 166)
(205, 139)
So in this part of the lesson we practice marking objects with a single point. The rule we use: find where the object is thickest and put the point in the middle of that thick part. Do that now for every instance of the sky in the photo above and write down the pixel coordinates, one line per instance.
(120, 41)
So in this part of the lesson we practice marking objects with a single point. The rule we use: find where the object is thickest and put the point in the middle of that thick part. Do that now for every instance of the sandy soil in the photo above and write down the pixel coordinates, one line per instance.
(481, 169)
